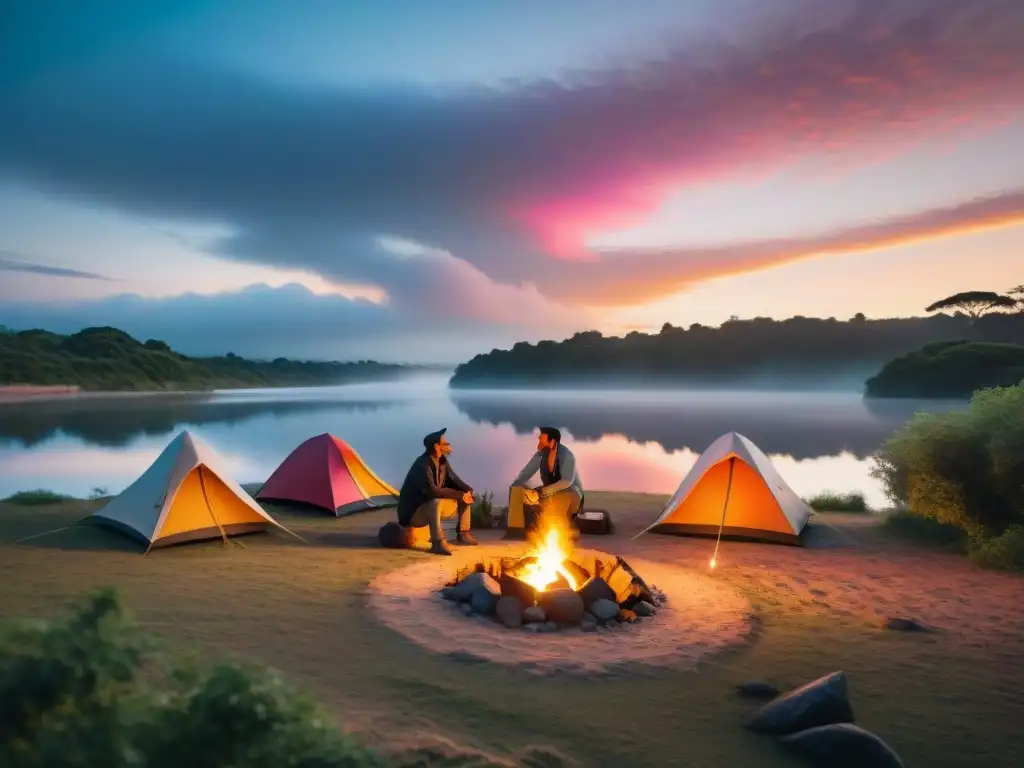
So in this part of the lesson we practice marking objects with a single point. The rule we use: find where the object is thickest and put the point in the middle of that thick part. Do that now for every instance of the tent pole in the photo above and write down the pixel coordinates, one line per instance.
(725, 508)
(209, 506)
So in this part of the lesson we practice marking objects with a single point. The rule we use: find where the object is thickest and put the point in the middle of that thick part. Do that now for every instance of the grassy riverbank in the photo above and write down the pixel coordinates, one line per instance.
(946, 698)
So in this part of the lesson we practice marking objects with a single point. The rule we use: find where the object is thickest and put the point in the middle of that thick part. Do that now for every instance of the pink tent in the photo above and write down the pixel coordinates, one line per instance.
(326, 472)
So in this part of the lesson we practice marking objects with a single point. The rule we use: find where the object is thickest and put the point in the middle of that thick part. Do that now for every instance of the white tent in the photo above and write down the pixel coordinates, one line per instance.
(734, 487)
(185, 495)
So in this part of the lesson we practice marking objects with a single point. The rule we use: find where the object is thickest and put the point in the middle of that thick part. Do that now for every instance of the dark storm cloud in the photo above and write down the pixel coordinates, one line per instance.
(504, 180)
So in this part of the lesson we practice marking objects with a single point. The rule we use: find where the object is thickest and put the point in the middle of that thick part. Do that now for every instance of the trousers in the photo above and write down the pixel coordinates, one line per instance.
(432, 512)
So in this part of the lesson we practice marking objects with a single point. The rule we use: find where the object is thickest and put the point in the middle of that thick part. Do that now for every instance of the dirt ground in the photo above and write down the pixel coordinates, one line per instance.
(951, 697)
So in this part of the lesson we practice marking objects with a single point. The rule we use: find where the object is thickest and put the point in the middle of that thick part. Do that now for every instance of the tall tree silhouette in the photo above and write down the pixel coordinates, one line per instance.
(974, 304)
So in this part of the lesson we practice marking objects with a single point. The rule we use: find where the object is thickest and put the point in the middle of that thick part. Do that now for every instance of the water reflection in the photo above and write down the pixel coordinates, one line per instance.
(624, 441)
(800, 425)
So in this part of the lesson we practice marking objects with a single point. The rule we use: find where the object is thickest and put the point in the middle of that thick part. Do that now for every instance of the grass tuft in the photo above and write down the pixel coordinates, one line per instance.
(37, 497)
(827, 501)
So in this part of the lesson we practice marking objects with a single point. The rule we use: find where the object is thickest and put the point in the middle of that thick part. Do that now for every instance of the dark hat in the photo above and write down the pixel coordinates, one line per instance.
(433, 438)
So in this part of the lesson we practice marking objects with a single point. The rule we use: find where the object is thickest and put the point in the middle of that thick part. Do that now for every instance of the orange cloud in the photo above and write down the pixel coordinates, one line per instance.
(628, 276)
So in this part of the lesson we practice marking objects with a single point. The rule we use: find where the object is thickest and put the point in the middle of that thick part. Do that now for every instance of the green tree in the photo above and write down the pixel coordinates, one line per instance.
(974, 304)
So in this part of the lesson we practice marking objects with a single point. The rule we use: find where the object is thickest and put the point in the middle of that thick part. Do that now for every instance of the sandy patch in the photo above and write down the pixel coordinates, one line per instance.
(702, 617)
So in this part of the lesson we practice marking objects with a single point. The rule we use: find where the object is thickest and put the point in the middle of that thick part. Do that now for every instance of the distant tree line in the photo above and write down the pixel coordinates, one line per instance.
(802, 349)
(109, 359)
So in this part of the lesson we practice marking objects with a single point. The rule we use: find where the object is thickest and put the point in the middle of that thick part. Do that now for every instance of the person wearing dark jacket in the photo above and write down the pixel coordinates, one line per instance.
(433, 491)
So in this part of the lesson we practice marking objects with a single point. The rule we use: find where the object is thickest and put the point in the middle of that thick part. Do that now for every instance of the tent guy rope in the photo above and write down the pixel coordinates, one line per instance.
(725, 508)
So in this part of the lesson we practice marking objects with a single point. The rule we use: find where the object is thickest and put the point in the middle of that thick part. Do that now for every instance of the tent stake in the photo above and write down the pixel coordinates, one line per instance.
(725, 507)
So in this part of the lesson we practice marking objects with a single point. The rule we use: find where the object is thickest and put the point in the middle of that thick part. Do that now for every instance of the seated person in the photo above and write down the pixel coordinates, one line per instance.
(432, 491)
(561, 489)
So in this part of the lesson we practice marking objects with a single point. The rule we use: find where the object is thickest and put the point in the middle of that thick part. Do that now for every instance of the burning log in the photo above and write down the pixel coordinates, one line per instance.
(513, 586)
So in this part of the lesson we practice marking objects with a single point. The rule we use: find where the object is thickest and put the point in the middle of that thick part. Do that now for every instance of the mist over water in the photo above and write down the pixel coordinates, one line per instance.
(625, 439)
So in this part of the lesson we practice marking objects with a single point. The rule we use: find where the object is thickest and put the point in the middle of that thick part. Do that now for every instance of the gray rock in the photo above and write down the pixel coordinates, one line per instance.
(905, 625)
(842, 745)
(466, 608)
(463, 591)
(549, 626)
(510, 612)
(596, 589)
(485, 597)
(588, 623)
(604, 610)
(535, 627)
(821, 702)
(757, 689)
(563, 606)
(643, 608)
(534, 615)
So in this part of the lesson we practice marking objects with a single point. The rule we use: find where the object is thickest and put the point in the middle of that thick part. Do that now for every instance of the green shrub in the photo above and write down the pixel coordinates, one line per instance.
(38, 497)
(827, 501)
(963, 468)
(926, 530)
(1005, 552)
(89, 690)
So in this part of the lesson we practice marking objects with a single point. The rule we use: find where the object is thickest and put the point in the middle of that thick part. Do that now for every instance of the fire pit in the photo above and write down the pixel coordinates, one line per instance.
(553, 587)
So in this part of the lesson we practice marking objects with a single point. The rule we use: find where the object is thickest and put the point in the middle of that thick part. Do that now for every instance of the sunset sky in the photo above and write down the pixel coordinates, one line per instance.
(420, 181)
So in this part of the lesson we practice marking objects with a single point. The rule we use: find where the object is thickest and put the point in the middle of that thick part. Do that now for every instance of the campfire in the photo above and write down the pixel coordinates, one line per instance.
(554, 586)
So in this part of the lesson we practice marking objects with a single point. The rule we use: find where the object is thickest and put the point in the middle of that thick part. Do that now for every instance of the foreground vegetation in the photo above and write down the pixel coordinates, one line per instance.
(301, 608)
(109, 359)
(89, 689)
(798, 352)
(962, 470)
(949, 369)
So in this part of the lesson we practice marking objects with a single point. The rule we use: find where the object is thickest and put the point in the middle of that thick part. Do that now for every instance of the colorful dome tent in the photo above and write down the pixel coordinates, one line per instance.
(326, 472)
(735, 488)
(185, 495)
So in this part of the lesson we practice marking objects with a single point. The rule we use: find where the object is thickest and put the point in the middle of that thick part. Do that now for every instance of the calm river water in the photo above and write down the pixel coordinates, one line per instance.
(635, 441)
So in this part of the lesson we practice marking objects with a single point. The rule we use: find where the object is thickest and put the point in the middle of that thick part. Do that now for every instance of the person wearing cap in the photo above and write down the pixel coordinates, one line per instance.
(561, 489)
(432, 491)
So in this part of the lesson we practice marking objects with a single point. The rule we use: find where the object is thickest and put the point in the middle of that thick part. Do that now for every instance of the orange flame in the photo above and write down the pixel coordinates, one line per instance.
(551, 548)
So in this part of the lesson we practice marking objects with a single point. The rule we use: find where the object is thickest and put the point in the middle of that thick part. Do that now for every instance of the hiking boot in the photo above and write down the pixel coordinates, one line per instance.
(439, 548)
(466, 539)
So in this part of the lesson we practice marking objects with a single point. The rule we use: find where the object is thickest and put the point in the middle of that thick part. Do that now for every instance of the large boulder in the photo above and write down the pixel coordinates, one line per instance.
(842, 745)
(821, 702)
(563, 606)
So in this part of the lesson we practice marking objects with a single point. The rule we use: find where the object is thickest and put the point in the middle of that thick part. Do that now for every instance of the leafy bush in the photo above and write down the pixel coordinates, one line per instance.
(963, 468)
(828, 501)
(1005, 552)
(87, 690)
(38, 497)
